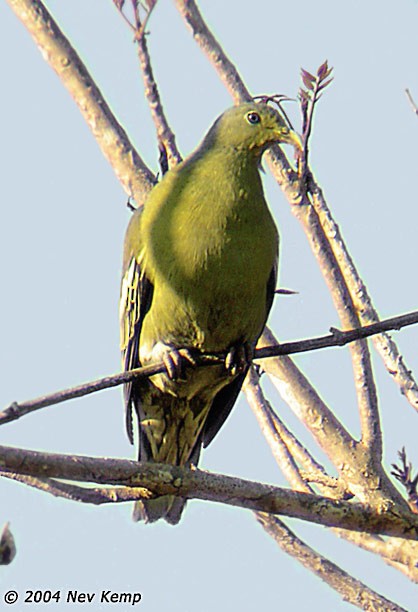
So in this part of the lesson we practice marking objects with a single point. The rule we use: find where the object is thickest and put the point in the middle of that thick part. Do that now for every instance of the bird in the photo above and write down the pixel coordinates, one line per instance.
(199, 274)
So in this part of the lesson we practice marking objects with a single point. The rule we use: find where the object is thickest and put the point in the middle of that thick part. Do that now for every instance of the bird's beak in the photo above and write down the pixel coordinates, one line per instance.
(290, 137)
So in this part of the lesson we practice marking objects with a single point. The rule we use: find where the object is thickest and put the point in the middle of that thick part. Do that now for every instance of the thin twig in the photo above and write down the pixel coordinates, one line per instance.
(335, 338)
(140, 30)
(15, 410)
(309, 95)
(86, 495)
(163, 479)
(165, 135)
(403, 473)
(338, 337)
(411, 101)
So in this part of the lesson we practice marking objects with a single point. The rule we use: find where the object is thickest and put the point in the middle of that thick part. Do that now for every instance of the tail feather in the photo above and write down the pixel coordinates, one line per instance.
(170, 431)
(167, 507)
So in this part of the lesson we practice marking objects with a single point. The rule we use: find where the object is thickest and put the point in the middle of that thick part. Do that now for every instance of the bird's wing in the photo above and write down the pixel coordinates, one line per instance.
(135, 301)
(226, 397)
(271, 289)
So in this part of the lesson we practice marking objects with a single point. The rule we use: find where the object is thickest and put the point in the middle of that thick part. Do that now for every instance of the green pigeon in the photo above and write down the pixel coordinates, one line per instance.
(199, 274)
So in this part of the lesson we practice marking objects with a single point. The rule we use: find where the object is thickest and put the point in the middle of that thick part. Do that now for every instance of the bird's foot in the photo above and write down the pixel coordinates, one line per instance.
(239, 358)
(175, 361)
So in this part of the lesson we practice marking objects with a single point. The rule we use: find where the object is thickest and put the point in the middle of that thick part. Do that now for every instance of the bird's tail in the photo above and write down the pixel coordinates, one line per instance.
(167, 507)
(169, 432)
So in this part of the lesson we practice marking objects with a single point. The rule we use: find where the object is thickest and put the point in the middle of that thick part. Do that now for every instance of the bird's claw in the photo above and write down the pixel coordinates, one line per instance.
(176, 360)
(238, 358)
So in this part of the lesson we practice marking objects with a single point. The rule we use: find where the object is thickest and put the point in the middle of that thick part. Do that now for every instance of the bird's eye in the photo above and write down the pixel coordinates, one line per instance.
(253, 118)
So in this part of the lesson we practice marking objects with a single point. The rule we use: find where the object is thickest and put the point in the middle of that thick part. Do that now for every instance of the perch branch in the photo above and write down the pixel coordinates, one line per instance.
(335, 338)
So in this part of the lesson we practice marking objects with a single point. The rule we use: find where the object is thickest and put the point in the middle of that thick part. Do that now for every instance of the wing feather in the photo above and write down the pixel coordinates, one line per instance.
(135, 301)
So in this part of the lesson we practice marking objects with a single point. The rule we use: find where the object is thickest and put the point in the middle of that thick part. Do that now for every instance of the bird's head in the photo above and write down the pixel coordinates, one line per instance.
(253, 127)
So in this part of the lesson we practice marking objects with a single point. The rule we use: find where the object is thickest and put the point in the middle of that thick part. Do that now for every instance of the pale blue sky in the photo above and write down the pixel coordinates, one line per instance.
(63, 221)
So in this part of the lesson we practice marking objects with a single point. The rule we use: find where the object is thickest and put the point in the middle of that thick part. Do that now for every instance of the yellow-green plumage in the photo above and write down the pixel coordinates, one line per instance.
(199, 273)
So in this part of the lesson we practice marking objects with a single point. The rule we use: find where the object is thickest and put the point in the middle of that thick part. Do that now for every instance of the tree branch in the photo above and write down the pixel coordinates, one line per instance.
(396, 552)
(226, 70)
(276, 436)
(286, 449)
(165, 135)
(133, 174)
(372, 486)
(306, 403)
(162, 479)
(384, 344)
(234, 84)
(363, 375)
(351, 590)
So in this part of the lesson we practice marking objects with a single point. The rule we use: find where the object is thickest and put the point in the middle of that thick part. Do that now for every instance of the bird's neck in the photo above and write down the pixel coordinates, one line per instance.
(232, 178)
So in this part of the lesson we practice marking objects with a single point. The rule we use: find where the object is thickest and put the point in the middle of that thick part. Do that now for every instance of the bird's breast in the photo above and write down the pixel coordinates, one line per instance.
(211, 246)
